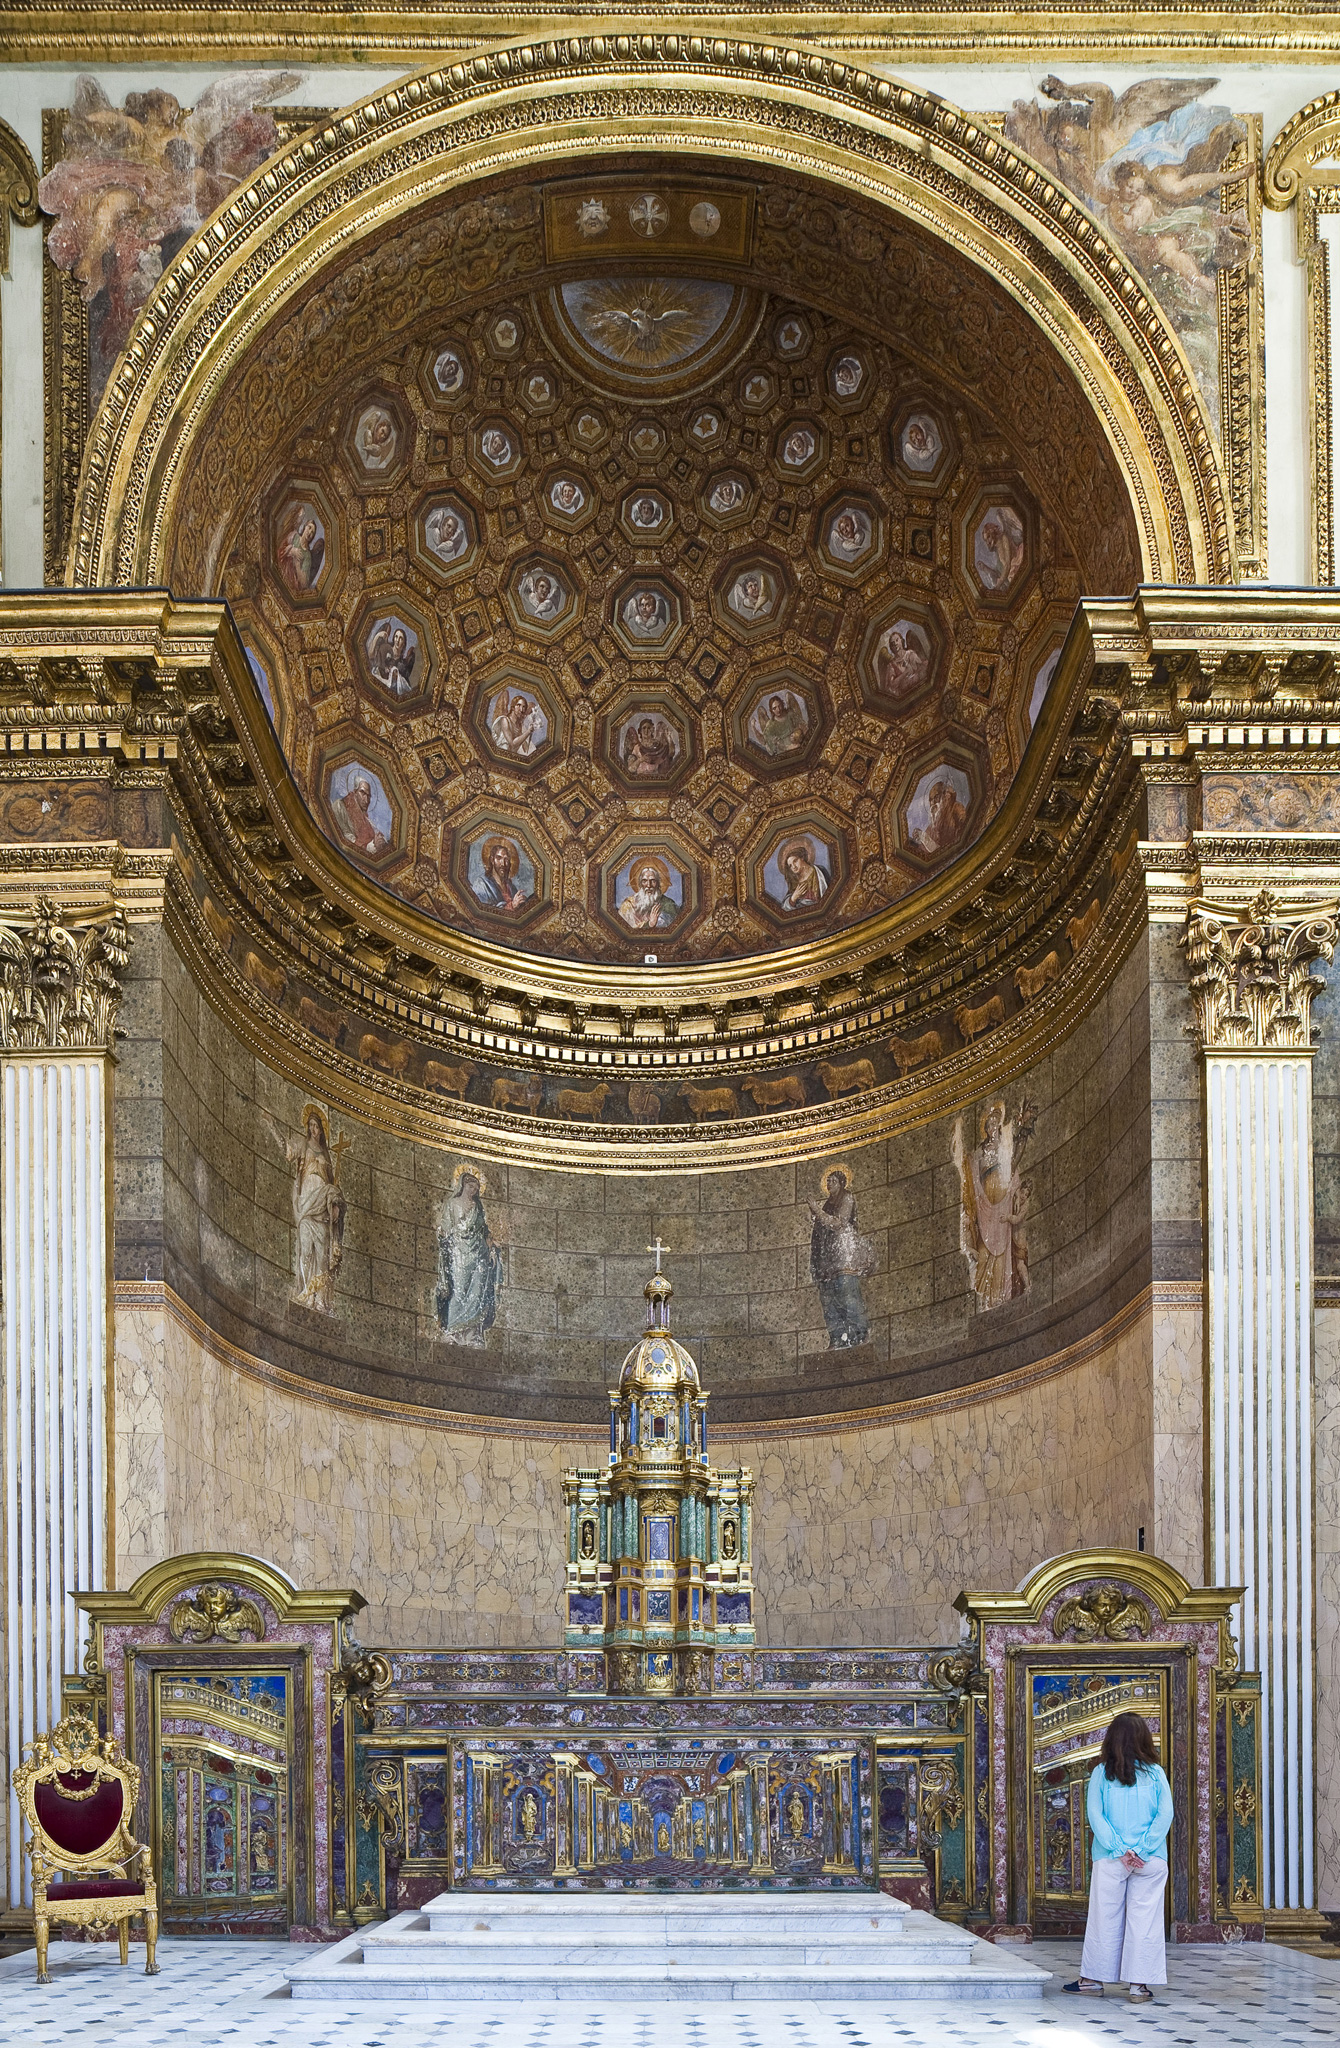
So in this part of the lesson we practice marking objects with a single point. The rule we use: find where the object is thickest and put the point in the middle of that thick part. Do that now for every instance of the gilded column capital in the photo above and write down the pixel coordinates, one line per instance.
(60, 988)
(1251, 982)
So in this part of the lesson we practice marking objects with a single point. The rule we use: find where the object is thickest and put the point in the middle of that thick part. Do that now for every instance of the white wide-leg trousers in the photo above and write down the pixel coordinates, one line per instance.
(1123, 1938)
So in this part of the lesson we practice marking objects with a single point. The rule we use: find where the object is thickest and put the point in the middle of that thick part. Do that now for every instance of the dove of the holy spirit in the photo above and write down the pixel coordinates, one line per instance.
(653, 322)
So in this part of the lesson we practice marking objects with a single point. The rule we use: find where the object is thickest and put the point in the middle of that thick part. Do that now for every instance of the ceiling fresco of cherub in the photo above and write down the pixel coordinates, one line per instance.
(655, 566)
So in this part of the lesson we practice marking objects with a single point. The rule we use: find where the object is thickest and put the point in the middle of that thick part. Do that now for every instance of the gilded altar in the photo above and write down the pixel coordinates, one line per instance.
(660, 1565)
(938, 1774)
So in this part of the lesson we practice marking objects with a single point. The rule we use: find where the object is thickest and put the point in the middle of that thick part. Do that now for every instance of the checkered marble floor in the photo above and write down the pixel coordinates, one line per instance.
(232, 1995)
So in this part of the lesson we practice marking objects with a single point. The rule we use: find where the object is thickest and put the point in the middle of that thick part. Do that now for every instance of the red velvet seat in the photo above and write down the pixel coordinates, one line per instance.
(112, 1889)
(76, 1791)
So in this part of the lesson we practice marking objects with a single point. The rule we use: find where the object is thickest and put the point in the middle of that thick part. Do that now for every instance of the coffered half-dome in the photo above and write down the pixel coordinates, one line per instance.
(649, 563)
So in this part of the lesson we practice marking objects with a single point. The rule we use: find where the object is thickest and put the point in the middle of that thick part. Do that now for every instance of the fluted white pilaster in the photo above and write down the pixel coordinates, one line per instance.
(53, 1162)
(1259, 1453)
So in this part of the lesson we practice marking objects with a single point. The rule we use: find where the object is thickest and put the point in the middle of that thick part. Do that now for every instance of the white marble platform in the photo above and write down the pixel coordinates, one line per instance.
(547, 1947)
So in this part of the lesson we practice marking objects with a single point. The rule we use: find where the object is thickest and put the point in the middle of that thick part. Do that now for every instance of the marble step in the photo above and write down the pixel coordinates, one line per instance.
(573, 1948)
(676, 1914)
(529, 1953)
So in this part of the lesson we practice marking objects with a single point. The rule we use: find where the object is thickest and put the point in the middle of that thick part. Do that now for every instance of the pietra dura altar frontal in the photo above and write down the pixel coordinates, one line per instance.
(294, 1779)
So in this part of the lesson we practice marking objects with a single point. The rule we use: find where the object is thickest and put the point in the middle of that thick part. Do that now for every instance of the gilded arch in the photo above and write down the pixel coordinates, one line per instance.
(534, 104)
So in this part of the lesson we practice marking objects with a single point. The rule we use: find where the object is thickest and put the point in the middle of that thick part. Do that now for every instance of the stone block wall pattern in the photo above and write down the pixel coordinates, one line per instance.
(204, 1202)
(863, 1536)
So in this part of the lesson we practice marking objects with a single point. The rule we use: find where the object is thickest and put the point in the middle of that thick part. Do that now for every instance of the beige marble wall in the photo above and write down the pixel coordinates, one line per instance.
(1178, 1532)
(864, 1535)
(1326, 1480)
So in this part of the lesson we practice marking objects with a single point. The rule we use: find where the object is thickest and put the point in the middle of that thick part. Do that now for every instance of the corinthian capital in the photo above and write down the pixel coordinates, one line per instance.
(1251, 982)
(60, 989)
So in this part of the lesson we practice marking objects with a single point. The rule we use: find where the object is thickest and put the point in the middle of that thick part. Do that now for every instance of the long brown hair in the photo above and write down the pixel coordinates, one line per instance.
(1129, 1741)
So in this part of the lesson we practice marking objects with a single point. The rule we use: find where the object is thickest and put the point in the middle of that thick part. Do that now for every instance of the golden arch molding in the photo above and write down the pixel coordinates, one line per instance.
(999, 907)
(536, 103)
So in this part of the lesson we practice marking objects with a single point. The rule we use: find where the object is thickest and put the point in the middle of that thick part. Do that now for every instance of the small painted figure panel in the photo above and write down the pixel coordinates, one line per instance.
(902, 658)
(648, 746)
(994, 1202)
(649, 893)
(361, 808)
(937, 815)
(469, 1262)
(501, 873)
(517, 721)
(318, 1205)
(302, 547)
(840, 1258)
(779, 723)
(798, 875)
(393, 652)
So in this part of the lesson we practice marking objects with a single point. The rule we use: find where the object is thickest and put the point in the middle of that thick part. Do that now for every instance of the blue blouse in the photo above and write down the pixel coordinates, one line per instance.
(1134, 1816)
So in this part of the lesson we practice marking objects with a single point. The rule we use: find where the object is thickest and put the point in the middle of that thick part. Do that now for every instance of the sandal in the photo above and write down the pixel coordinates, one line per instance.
(1087, 1987)
(1140, 1994)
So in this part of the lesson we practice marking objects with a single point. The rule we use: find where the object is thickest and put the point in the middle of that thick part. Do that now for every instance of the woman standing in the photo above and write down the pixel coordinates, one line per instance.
(1130, 1811)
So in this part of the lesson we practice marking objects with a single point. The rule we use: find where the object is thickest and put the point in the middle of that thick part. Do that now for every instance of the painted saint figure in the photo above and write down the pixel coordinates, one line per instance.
(902, 659)
(469, 1263)
(806, 881)
(302, 552)
(353, 814)
(780, 725)
(318, 1205)
(948, 815)
(392, 654)
(649, 747)
(998, 549)
(840, 1258)
(649, 906)
(496, 887)
(994, 1202)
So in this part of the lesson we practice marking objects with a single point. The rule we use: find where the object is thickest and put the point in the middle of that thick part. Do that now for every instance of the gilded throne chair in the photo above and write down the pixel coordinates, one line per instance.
(77, 1792)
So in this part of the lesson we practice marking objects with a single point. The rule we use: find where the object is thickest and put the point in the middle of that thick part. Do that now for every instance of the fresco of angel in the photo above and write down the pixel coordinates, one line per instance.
(134, 183)
(994, 1202)
(1153, 163)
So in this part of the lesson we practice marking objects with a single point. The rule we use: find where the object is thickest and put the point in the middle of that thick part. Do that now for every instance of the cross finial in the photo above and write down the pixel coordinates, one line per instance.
(658, 1248)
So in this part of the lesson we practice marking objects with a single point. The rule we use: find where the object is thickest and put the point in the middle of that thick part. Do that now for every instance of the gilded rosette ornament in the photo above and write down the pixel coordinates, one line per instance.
(1251, 982)
(61, 989)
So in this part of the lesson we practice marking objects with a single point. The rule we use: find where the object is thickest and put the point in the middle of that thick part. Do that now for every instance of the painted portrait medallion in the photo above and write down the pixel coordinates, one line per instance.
(999, 549)
(301, 552)
(376, 439)
(936, 816)
(361, 809)
(649, 892)
(394, 655)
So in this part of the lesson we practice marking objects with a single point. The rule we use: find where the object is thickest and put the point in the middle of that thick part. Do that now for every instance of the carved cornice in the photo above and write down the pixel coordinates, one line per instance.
(1250, 982)
(61, 989)
(35, 32)
(350, 992)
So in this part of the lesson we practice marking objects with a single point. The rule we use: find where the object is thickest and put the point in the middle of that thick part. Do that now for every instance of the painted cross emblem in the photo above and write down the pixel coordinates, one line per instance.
(648, 215)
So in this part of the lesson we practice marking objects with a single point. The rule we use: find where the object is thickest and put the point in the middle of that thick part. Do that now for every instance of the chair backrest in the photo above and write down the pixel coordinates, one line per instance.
(77, 1812)
(77, 1791)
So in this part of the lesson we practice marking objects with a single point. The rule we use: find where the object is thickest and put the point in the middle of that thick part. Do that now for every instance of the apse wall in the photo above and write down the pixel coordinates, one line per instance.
(956, 1445)
(205, 1203)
